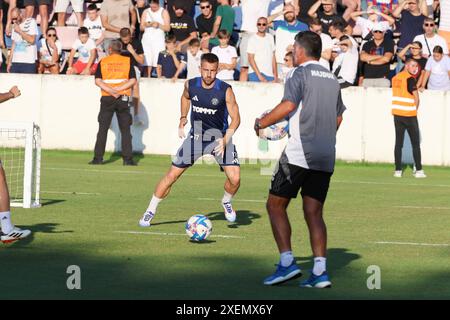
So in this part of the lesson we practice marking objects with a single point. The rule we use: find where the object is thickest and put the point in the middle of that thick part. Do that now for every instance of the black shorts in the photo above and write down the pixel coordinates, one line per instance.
(36, 3)
(194, 148)
(288, 179)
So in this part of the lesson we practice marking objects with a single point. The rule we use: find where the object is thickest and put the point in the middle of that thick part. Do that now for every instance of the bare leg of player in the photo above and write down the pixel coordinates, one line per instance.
(313, 211)
(161, 191)
(232, 184)
(10, 233)
(281, 228)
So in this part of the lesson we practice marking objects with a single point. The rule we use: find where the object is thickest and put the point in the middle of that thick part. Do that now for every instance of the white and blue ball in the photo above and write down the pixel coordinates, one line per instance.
(275, 132)
(198, 227)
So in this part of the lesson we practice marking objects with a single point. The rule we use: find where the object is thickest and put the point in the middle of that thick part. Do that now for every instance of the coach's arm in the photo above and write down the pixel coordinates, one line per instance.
(233, 111)
(14, 92)
(281, 111)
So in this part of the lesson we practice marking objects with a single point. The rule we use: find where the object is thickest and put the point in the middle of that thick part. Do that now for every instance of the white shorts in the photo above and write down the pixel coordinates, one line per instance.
(62, 5)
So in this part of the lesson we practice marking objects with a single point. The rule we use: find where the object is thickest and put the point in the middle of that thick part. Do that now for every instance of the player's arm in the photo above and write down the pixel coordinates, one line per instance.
(233, 111)
(14, 92)
(185, 105)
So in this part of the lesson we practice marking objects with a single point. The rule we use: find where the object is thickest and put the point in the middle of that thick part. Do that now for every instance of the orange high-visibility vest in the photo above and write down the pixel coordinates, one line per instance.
(115, 71)
(403, 103)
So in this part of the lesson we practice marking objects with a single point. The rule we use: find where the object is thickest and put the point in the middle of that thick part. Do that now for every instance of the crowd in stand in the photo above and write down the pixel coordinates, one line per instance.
(364, 42)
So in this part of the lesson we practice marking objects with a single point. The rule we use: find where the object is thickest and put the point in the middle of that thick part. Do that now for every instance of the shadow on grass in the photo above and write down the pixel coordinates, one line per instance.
(38, 228)
(41, 273)
(243, 218)
(49, 202)
(115, 156)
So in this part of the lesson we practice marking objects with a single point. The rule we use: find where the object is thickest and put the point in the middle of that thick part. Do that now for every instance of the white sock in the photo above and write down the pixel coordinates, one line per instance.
(5, 218)
(227, 197)
(153, 205)
(286, 258)
(320, 265)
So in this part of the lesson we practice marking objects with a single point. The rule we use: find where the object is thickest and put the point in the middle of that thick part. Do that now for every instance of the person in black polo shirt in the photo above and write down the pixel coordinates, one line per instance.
(377, 55)
(182, 26)
(132, 48)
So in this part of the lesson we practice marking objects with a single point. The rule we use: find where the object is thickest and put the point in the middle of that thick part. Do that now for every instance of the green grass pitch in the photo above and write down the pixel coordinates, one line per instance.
(86, 209)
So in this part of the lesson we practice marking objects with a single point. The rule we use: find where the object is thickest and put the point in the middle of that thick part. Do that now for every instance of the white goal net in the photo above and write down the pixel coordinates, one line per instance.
(20, 153)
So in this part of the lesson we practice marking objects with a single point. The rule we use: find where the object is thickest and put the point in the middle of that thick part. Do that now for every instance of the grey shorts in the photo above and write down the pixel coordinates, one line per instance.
(245, 36)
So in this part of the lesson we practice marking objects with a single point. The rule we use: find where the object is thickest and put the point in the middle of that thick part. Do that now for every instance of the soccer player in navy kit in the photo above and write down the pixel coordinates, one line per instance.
(212, 102)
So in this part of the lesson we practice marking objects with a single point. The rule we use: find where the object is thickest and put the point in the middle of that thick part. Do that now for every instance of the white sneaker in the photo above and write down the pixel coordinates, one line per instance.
(14, 235)
(398, 173)
(230, 214)
(419, 174)
(146, 219)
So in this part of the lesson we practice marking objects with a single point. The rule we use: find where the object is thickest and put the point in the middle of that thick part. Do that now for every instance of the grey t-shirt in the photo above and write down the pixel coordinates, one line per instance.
(312, 126)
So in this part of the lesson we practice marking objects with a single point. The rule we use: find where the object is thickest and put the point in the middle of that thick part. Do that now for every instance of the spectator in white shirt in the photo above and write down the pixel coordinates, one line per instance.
(375, 17)
(227, 56)
(194, 54)
(261, 55)
(49, 52)
(87, 53)
(345, 65)
(93, 23)
(23, 50)
(315, 25)
(437, 71)
(287, 67)
(251, 11)
(430, 39)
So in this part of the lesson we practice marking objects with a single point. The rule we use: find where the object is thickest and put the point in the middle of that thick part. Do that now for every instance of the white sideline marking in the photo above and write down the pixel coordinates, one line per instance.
(73, 192)
(431, 208)
(393, 183)
(414, 243)
(177, 234)
(237, 200)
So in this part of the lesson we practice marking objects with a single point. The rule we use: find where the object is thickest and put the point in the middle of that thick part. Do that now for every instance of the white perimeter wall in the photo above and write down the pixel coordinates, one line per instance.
(66, 109)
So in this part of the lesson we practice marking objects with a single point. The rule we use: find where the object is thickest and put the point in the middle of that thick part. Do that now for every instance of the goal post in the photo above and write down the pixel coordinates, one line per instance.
(20, 152)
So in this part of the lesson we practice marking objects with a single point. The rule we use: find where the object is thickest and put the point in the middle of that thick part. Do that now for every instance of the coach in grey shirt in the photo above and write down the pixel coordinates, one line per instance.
(312, 101)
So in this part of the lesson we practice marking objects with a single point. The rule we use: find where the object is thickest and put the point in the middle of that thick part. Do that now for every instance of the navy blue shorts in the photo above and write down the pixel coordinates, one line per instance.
(192, 149)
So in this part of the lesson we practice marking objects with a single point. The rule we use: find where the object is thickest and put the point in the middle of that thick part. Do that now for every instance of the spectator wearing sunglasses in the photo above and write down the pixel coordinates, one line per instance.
(429, 39)
(23, 50)
(261, 55)
(205, 21)
(377, 55)
(49, 52)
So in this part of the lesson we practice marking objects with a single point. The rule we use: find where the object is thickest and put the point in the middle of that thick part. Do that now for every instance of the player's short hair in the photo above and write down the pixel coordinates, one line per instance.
(125, 32)
(91, 7)
(194, 43)
(210, 58)
(310, 42)
(83, 30)
(438, 49)
(115, 46)
(223, 34)
(170, 38)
